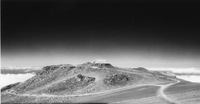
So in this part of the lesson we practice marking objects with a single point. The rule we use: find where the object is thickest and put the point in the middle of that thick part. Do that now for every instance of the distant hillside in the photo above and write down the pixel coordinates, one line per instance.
(66, 79)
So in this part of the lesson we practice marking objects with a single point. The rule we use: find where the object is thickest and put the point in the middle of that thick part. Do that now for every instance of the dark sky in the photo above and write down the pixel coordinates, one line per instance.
(126, 33)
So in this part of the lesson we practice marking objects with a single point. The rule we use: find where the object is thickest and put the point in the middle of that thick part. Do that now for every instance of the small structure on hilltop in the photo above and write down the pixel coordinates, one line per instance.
(100, 61)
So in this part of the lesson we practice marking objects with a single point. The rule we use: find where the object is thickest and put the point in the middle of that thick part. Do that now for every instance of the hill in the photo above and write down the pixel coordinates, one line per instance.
(69, 81)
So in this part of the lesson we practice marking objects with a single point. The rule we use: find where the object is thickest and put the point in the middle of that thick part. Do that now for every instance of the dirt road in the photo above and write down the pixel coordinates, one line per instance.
(164, 96)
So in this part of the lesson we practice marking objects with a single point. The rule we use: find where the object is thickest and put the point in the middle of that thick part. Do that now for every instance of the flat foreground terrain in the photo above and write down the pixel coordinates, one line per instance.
(182, 92)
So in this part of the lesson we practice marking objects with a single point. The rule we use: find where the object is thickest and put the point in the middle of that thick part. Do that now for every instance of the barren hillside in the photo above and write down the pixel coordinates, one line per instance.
(69, 81)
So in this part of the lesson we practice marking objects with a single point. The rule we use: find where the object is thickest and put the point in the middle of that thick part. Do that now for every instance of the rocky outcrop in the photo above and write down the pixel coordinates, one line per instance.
(117, 79)
(9, 86)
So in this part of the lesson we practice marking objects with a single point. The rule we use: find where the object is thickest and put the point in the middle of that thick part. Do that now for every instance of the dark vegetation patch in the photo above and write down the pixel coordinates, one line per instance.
(117, 79)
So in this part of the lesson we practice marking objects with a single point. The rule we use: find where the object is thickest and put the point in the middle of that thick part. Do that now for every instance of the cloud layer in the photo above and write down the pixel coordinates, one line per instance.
(191, 78)
(7, 79)
(177, 70)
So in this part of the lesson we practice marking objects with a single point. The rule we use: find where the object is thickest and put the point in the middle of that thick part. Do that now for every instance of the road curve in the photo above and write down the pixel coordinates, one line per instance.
(164, 96)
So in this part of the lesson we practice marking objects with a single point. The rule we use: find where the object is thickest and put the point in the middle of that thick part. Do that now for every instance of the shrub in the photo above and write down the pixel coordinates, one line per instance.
(117, 79)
